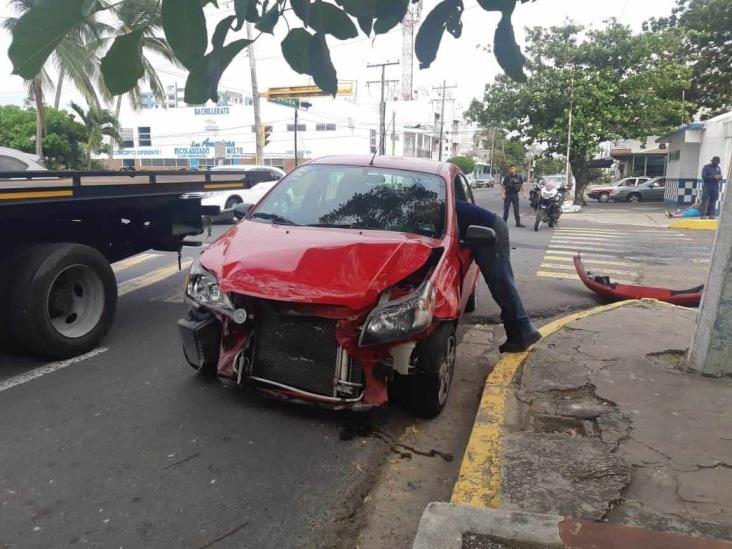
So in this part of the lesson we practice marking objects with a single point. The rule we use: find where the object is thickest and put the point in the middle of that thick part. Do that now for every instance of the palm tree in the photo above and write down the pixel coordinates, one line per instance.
(74, 57)
(97, 122)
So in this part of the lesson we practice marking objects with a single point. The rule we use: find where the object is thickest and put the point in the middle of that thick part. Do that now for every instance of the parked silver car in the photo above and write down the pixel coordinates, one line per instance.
(650, 191)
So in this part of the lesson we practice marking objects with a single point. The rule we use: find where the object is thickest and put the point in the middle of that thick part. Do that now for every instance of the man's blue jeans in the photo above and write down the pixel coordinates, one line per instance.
(709, 201)
(495, 264)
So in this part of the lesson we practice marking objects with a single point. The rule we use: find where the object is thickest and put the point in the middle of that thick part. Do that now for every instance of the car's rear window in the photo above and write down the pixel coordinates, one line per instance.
(358, 197)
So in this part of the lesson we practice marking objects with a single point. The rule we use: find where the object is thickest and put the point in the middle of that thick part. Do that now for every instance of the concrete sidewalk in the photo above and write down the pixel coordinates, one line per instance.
(602, 423)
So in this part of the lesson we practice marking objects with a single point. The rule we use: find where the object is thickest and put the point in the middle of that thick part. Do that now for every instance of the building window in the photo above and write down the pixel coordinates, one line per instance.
(143, 136)
(325, 127)
(276, 162)
(300, 127)
(128, 138)
(674, 156)
(128, 163)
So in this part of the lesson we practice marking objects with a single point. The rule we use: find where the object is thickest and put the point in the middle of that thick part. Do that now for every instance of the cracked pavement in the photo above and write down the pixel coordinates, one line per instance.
(605, 424)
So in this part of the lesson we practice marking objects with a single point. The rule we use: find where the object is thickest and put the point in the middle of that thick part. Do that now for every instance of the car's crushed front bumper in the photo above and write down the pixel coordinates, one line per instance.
(298, 351)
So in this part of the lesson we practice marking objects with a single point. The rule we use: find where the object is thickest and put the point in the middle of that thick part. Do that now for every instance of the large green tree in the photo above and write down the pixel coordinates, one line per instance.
(706, 27)
(62, 144)
(549, 165)
(42, 28)
(616, 84)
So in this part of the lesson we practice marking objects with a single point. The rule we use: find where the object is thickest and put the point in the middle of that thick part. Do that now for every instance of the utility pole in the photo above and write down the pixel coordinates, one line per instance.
(444, 89)
(493, 148)
(711, 347)
(259, 152)
(305, 105)
(393, 133)
(382, 102)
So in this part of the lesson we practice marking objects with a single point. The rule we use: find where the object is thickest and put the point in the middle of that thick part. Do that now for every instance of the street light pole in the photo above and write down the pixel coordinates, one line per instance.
(296, 111)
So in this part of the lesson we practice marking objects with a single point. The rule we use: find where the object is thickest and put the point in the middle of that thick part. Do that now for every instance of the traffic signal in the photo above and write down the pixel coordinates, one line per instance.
(265, 132)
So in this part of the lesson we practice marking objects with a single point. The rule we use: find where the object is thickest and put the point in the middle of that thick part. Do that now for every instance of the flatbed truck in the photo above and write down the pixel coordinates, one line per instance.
(64, 229)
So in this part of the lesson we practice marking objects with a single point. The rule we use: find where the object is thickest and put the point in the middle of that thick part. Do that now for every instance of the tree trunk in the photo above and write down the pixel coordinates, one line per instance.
(578, 162)
(40, 117)
(117, 109)
(88, 157)
(59, 86)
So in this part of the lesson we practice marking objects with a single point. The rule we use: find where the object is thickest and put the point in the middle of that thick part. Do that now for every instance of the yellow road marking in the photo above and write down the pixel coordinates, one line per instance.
(152, 277)
(132, 261)
(224, 186)
(584, 242)
(696, 224)
(590, 261)
(35, 194)
(579, 248)
(479, 481)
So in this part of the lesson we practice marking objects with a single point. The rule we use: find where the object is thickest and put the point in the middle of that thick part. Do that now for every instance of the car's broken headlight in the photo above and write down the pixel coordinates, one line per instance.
(202, 287)
(401, 318)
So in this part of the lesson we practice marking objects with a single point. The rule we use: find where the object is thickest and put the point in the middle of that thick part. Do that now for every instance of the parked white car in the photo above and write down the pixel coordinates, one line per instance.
(261, 178)
(13, 160)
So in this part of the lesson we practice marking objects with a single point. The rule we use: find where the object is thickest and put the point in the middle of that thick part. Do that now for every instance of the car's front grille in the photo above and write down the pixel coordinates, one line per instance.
(297, 351)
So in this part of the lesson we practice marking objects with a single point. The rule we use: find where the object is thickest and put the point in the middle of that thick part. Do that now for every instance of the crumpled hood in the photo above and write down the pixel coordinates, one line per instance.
(345, 267)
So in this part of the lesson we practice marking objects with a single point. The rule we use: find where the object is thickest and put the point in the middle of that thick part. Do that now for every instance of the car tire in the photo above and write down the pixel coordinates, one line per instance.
(63, 299)
(634, 197)
(232, 202)
(426, 391)
(472, 304)
(604, 197)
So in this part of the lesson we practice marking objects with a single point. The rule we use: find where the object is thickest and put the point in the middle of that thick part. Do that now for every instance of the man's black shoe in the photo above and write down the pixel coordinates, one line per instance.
(520, 345)
(520, 225)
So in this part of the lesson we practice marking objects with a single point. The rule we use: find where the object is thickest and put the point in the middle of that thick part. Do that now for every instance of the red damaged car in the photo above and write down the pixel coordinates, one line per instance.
(347, 276)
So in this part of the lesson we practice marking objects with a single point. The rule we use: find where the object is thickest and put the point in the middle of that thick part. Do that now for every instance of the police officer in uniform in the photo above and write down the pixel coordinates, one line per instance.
(512, 185)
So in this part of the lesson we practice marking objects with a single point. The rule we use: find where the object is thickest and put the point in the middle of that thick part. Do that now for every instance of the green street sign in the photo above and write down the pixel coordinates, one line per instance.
(294, 103)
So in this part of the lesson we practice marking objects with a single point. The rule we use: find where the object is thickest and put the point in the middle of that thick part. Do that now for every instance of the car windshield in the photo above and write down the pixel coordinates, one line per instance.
(357, 197)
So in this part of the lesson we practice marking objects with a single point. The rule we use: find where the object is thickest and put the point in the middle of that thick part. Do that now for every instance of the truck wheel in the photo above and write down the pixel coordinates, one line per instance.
(63, 300)
(427, 390)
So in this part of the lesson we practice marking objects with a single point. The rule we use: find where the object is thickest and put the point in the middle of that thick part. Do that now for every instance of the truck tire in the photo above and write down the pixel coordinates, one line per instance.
(426, 391)
(63, 301)
(472, 303)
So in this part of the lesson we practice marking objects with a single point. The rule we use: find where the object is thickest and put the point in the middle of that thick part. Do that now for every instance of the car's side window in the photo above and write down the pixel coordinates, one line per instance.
(661, 183)
(274, 176)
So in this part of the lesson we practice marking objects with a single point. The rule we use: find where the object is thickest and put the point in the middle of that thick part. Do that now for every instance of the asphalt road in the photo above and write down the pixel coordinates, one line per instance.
(127, 447)
(629, 242)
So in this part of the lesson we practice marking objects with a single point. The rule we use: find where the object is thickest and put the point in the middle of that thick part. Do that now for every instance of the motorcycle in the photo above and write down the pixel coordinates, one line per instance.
(547, 200)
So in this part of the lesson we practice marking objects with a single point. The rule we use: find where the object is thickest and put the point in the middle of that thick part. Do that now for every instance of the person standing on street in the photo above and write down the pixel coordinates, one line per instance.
(711, 175)
(512, 185)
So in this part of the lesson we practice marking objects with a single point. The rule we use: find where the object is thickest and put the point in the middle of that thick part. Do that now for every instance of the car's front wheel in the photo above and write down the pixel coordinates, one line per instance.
(427, 390)
(634, 197)
(604, 197)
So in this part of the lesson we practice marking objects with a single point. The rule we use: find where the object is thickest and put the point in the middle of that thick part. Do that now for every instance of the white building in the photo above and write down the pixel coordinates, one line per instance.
(181, 136)
(692, 146)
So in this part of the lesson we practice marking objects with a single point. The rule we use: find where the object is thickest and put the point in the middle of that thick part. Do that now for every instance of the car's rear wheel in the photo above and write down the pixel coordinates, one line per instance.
(604, 197)
(232, 202)
(426, 391)
(634, 197)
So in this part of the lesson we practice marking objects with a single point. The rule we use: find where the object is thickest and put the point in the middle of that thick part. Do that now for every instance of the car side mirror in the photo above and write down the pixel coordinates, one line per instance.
(242, 210)
(479, 236)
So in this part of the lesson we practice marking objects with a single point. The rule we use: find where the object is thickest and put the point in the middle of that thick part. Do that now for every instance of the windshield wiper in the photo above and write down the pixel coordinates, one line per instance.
(274, 218)
(338, 225)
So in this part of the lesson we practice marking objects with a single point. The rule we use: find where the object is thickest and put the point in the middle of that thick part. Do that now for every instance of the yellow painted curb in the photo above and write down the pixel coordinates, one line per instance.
(479, 481)
(696, 224)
